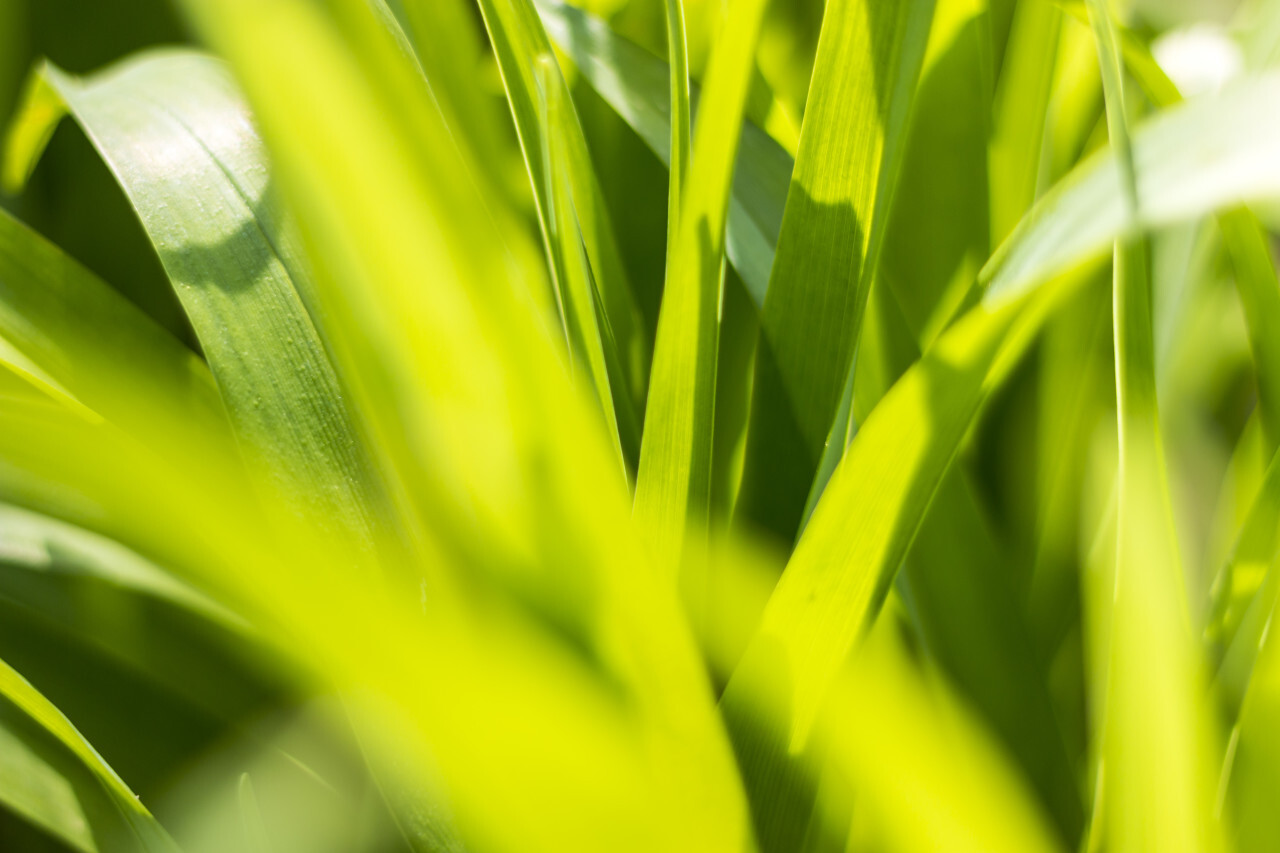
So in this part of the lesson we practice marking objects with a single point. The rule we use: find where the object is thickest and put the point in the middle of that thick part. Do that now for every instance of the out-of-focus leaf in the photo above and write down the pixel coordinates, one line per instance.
(943, 784)
(634, 82)
(851, 146)
(1190, 159)
(1154, 753)
(175, 131)
(504, 460)
(78, 341)
(674, 483)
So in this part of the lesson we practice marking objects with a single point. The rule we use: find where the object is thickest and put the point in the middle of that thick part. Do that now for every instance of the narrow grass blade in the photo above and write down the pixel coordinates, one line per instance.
(943, 190)
(635, 83)
(52, 762)
(1153, 747)
(174, 120)
(575, 293)
(674, 483)
(518, 40)
(865, 74)
(682, 120)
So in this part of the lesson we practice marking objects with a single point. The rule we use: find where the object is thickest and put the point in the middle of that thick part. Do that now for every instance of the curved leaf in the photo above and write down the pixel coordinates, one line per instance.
(175, 131)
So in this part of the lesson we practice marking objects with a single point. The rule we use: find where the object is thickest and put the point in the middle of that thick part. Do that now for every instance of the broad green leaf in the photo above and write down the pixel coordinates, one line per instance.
(171, 121)
(635, 83)
(51, 775)
(851, 145)
(518, 40)
(1154, 794)
(674, 482)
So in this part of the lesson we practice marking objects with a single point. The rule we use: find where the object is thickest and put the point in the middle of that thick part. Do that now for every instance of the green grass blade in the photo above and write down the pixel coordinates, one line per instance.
(1153, 795)
(172, 120)
(635, 83)
(682, 119)
(518, 40)
(43, 748)
(1021, 104)
(943, 189)
(674, 483)
(575, 293)
(38, 544)
(865, 74)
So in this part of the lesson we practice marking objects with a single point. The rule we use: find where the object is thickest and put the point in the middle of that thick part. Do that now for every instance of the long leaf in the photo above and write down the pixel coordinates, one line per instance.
(635, 83)
(518, 40)
(674, 482)
(1190, 159)
(851, 145)
(1152, 739)
(174, 120)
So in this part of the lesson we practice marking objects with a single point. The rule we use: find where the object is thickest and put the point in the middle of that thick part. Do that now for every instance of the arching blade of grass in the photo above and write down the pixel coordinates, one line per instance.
(851, 145)
(674, 483)
(55, 778)
(518, 40)
(77, 583)
(166, 123)
(1190, 159)
(635, 83)
(1153, 744)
